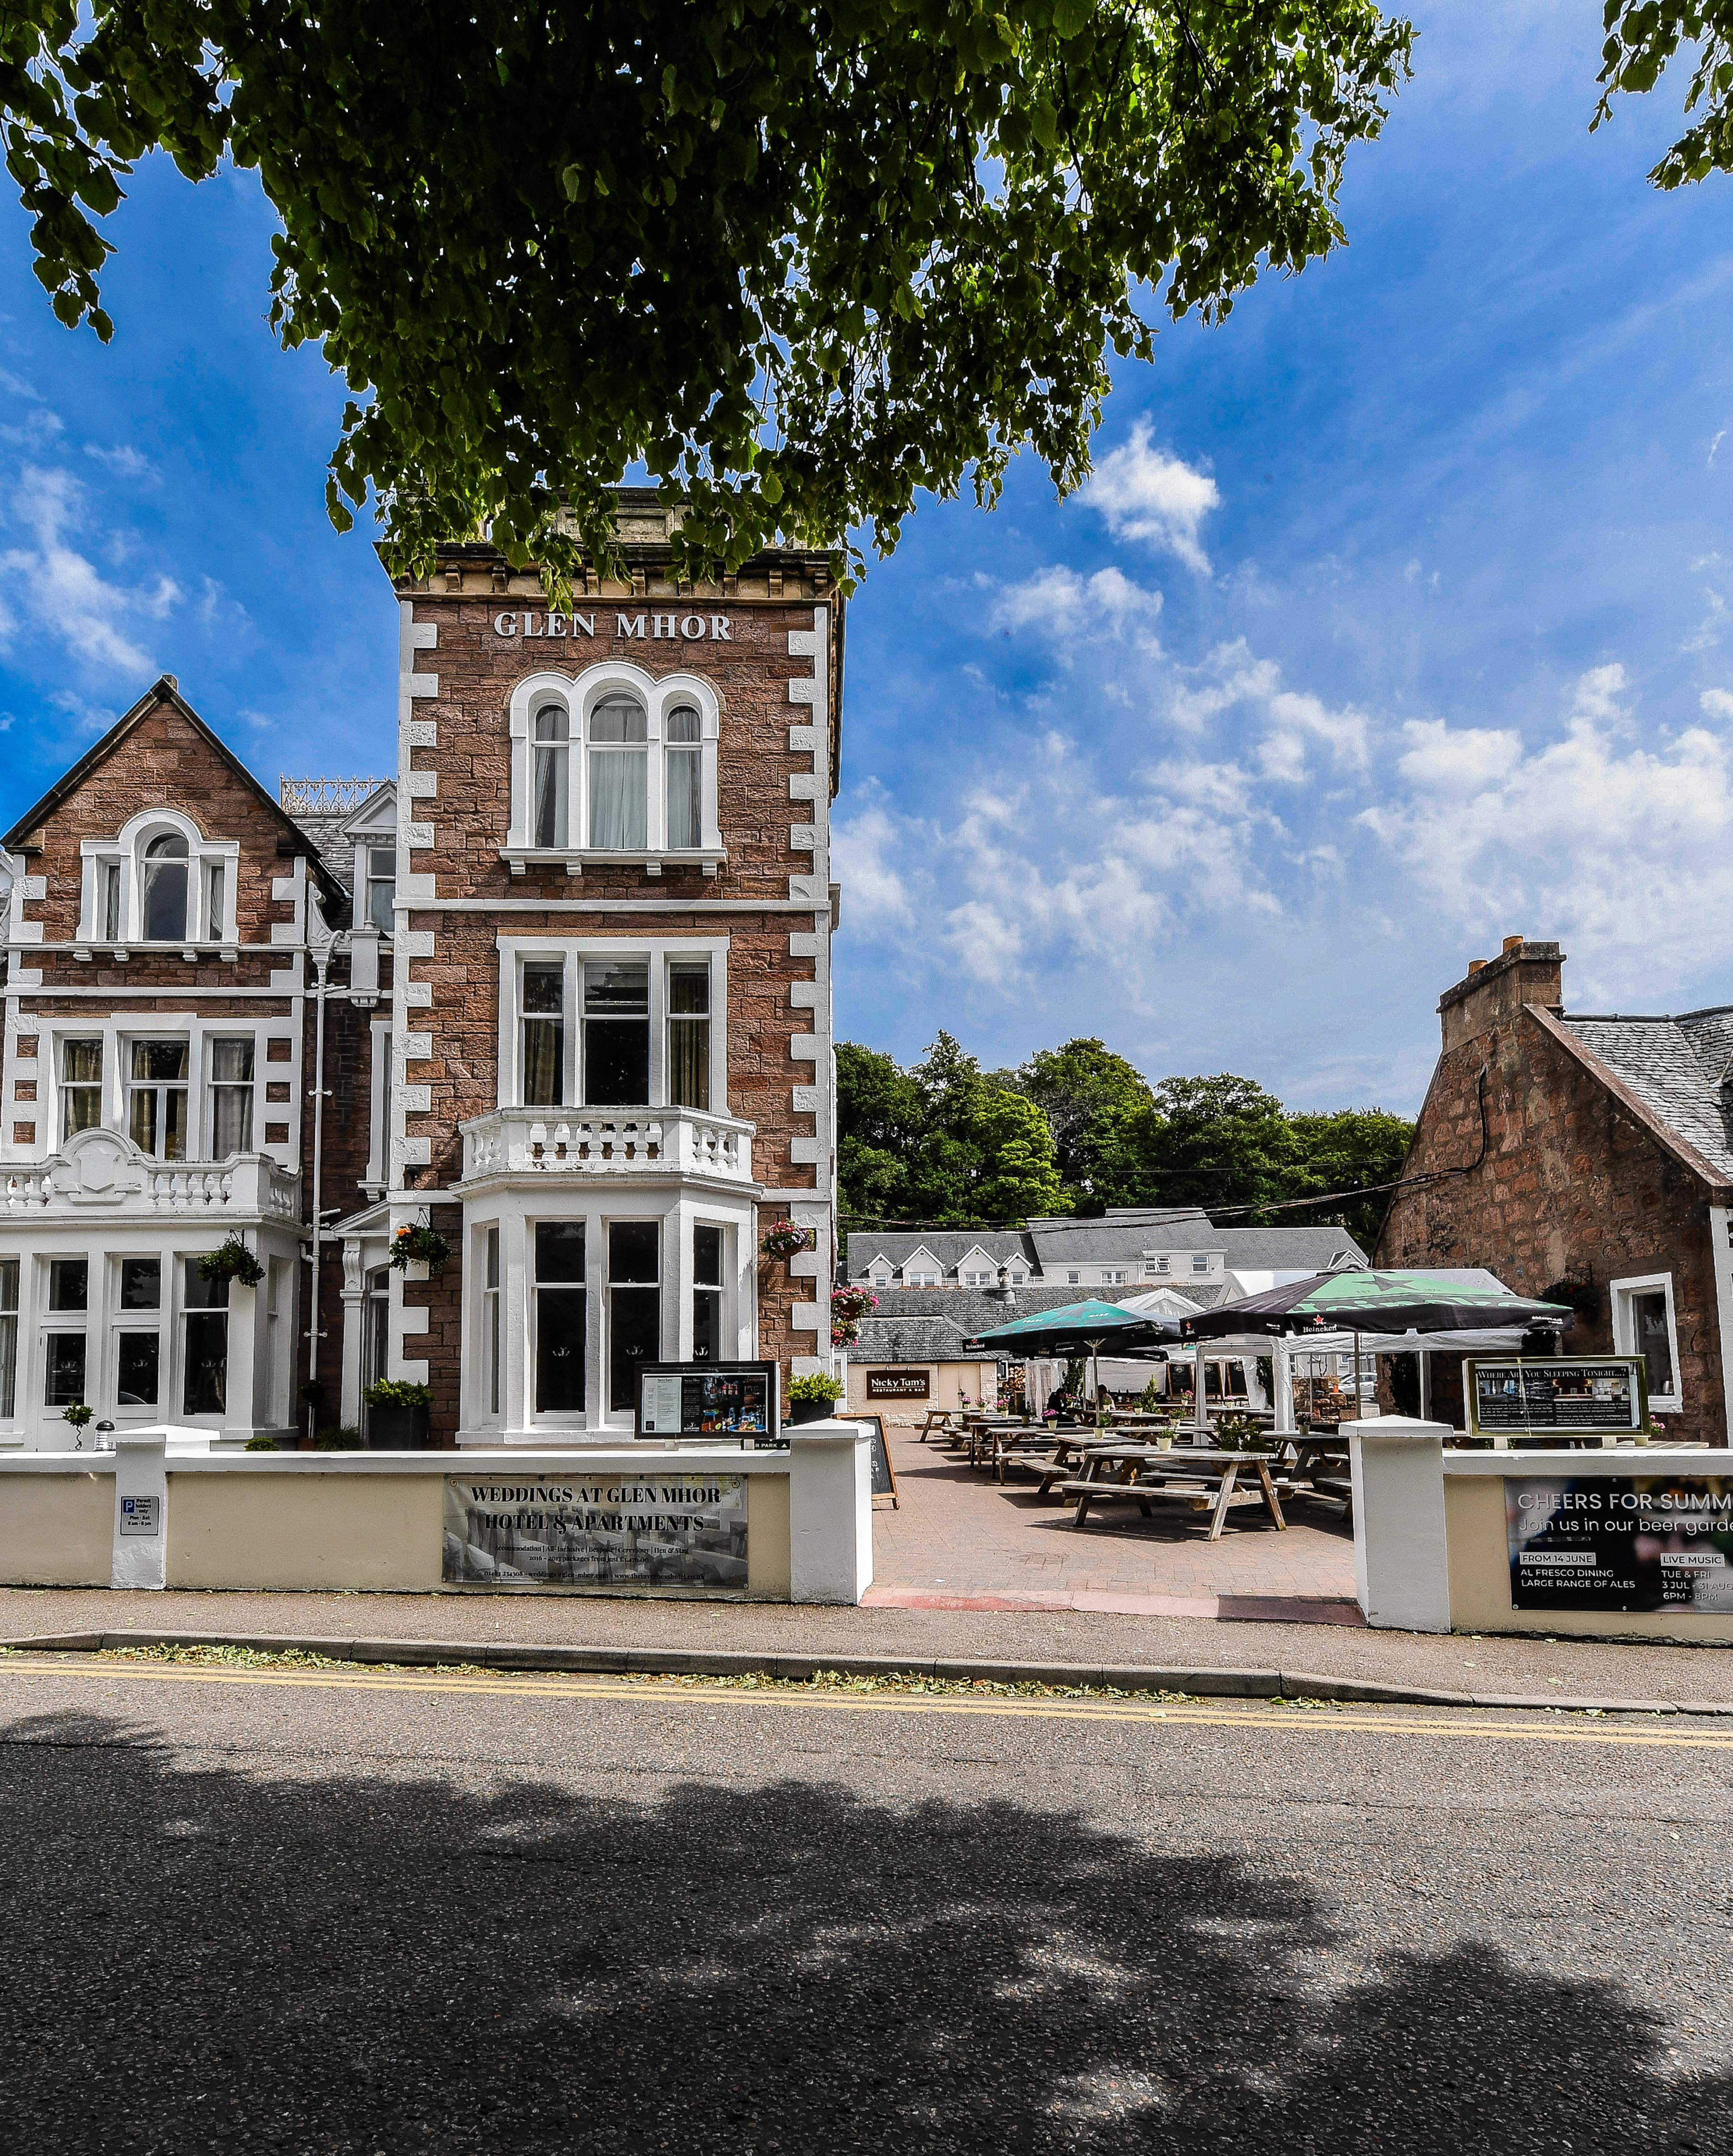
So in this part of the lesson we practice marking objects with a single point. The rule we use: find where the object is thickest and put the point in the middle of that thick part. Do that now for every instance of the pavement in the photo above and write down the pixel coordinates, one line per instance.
(992, 1542)
(347, 1915)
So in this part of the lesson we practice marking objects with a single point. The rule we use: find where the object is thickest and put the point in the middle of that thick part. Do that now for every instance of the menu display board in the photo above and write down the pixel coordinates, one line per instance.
(1621, 1542)
(729, 1402)
(1594, 1395)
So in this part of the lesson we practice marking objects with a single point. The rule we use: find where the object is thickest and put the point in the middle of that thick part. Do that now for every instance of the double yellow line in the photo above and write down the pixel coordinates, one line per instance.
(1300, 1722)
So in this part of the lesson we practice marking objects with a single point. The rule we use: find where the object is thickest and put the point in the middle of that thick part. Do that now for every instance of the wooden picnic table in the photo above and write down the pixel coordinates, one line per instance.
(1151, 1470)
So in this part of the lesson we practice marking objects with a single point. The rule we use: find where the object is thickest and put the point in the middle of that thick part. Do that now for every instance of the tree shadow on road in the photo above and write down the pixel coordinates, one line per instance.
(202, 1959)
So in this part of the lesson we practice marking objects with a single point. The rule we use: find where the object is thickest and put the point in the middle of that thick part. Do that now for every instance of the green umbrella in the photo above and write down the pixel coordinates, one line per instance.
(1407, 1300)
(1081, 1328)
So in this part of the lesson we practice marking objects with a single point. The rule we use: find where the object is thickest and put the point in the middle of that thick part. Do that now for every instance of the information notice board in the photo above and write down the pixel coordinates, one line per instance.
(1545, 1396)
(1621, 1542)
(609, 1531)
(734, 1403)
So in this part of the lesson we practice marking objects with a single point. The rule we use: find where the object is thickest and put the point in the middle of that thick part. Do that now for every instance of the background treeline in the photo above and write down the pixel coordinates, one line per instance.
(1076, 1129)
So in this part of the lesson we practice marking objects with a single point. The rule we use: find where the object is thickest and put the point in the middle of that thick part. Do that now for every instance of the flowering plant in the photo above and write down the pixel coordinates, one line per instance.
(782, 1238)
(232, 1261)
(422, 1243)
(848, 1306)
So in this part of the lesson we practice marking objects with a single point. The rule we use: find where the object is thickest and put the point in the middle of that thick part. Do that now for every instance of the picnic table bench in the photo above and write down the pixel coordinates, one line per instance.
(1206, 1479)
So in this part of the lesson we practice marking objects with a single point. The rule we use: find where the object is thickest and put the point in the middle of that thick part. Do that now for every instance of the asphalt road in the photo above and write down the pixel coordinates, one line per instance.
(356, 1913)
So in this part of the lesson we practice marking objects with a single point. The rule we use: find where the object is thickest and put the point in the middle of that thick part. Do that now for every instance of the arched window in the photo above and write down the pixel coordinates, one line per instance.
(550, 780)
(164, 898)
(619, 773)
(683, 732)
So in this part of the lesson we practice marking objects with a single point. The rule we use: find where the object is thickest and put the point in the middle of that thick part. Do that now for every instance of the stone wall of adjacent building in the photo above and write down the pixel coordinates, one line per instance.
(1560, 1181)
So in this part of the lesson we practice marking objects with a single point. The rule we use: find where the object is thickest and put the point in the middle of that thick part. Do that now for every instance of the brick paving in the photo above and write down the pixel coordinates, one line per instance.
(961, 1541)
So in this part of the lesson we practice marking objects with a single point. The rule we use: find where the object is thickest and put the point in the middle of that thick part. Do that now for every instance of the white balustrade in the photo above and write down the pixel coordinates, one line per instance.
(607, 1142)
(249, 1183)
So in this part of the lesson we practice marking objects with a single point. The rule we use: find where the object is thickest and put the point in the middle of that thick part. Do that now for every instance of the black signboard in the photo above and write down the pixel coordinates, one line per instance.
(1621, 1542)
(732, 1403)
(884, 1476)
(899, 1384)
(1598, 1395)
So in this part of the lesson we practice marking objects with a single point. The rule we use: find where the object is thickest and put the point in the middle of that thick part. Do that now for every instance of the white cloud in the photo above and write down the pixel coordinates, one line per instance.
(1623, 850)
(60, 592)
(123, 459)
(1058, 604)
(1147, 495)
(1717, 703)
(1462, 759)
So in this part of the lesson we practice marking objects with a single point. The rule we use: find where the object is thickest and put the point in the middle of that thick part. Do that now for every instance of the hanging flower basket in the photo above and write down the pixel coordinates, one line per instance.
(232, 1261)
(782, 1239)
(848, 1306)
(420, 1244)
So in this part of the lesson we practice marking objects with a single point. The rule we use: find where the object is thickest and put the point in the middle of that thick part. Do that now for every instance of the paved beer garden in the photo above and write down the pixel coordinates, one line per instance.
(964, 1538)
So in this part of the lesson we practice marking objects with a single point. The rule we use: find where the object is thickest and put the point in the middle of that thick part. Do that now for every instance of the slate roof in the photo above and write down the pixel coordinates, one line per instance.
(1119, 1236)
(1676, 1066)
(912, 1340)
(974, 1310)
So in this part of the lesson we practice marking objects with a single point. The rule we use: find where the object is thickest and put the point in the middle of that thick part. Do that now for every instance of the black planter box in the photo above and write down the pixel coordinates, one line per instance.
(812, 1410)
(397, 1430)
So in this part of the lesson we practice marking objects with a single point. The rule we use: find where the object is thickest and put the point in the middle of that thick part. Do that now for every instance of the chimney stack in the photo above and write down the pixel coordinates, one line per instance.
(1495, 989)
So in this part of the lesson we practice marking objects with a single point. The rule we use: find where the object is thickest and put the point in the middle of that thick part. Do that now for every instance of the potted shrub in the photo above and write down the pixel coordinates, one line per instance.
(78, 1415)
(231, 1261)
(811, 1399)
(346, 1439)
(397, 1415)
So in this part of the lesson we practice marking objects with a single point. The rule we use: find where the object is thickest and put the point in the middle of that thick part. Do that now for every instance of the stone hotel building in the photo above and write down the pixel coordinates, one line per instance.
(558, 989)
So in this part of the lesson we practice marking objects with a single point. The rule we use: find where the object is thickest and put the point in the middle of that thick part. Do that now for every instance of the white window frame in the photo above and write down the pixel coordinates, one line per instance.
(125, 851)
(658, 952)
(118, 1031)
(117, 1321)
(1624, 1331)
(580, 694)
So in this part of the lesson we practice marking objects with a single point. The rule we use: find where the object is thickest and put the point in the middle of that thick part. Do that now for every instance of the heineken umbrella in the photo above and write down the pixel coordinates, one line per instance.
(1081, 1328)
(1402, 1301)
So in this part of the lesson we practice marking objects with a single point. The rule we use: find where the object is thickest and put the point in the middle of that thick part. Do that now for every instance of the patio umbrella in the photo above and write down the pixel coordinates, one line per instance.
(1402, 1301)
(1081, 1328)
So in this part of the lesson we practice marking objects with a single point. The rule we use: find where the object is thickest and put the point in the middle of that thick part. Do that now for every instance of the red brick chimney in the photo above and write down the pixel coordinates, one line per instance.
(1497, 988)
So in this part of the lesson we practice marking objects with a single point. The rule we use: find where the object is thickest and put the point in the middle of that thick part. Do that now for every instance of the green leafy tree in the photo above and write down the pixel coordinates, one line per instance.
(1643, 38)
(1080, 1086)
(1349, 1150)
(1221, 1141)
(1017, 1175)
(800, 257)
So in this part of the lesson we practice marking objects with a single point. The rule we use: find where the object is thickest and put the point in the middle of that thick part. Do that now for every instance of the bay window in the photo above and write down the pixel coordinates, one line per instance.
(635, 1306)
(707, 1293)
(204, 1343)
(560, 1317)
(8, 1337)
(491, 1318)
(137, 1331)
(619, 775)
(64, 1342)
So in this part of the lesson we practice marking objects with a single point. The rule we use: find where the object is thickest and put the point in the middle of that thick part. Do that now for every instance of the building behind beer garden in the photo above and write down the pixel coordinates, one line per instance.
(556, 989)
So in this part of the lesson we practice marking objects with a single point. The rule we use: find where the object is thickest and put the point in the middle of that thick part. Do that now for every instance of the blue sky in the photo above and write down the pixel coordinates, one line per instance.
(1396, 621)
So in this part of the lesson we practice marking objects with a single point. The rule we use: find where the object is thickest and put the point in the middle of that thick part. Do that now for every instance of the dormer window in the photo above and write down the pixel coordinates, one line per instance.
(381, 886)
(163, 909)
